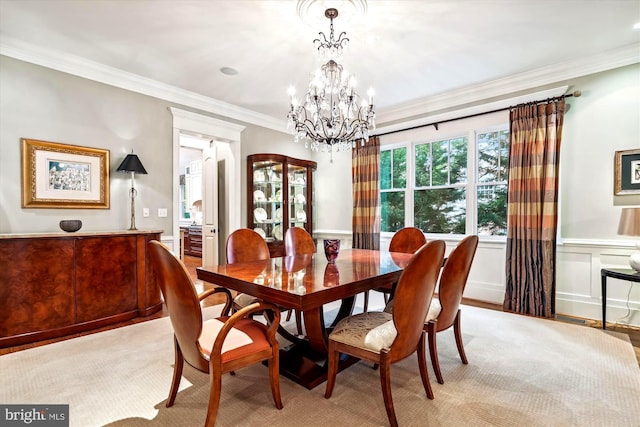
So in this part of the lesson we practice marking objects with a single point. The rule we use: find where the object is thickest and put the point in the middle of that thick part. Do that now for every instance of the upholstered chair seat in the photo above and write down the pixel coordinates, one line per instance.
(371, 331)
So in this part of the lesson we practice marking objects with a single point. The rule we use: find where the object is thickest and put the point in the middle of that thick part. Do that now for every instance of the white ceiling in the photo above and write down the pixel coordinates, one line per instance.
(408, 51)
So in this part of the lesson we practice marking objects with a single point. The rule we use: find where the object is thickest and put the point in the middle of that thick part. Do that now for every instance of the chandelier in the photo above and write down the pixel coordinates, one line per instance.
(331, 113)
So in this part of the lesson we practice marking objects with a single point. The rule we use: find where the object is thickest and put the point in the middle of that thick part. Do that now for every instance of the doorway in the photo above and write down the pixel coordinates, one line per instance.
(223, 141)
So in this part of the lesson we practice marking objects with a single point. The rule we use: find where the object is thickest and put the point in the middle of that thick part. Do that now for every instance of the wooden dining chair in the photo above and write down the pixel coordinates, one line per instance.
(444, 311)
(245, 245)
(298, 241)
(216, 346)
(406, 240)
(386, 338)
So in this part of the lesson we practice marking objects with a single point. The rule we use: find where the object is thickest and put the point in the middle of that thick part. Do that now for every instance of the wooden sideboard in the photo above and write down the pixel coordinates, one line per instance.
(52, 285)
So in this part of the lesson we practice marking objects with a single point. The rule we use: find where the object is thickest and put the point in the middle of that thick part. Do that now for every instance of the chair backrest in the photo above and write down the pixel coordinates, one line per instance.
(453, 280)
(298, 241)
(413, 296)
(181, 299)
(245, 245)
(407, 240)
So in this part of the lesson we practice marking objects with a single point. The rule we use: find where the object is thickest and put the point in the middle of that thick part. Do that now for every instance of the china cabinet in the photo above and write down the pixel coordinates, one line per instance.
(279, 196)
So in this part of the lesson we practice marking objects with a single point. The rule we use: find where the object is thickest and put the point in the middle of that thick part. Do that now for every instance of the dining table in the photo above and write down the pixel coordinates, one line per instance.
(307, 283)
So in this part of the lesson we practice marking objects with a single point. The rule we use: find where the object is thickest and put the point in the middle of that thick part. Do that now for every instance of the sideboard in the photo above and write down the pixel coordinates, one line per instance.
(52, 285)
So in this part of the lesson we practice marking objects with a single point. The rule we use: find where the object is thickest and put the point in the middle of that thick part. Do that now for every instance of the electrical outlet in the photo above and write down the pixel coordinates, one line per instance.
(145, 212)
(162, 212)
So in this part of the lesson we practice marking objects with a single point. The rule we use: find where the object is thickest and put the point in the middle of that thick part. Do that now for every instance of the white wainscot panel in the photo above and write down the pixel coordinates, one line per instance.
(487, 276)
(573, 275)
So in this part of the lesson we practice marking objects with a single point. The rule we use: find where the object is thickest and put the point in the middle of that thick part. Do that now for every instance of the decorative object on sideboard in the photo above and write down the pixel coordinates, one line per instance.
(626, 172)
(64, 176)
(70, 225)
(331, 249)
(330, 114)
(132, 165)
(630, 226)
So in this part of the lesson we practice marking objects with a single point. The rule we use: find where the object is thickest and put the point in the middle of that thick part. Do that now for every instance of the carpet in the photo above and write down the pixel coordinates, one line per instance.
(522, 371)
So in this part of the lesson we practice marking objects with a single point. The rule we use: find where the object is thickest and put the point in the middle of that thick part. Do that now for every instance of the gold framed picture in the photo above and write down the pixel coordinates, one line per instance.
(627, 172)
(64, 176)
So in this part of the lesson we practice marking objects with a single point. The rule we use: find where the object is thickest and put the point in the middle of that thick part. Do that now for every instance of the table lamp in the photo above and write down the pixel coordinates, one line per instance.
(133, 165)
(630, 226)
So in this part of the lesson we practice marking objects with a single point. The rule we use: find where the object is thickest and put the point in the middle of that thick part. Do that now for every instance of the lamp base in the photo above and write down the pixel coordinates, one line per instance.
(634, 261)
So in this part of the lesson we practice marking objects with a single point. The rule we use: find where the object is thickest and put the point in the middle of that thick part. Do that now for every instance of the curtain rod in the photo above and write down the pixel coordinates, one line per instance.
(576, 94)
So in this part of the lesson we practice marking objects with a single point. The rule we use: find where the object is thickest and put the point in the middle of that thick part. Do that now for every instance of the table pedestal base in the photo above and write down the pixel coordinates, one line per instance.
(297, 365)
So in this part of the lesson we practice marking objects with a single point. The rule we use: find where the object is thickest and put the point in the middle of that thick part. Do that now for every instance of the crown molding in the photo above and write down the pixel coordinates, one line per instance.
(609, 60)
(81, 67)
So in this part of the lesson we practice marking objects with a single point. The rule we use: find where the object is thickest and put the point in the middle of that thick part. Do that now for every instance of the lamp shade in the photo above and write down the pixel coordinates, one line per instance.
(132, 163)
(629, 222)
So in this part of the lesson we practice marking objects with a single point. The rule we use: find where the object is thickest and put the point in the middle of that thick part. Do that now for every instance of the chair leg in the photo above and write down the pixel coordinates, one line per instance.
(215, 380)
(458, 334)
(433, 350)
(422, 365)
(177, 374)
(274, 378)
(289, 315)
(385, 381)
(332, 370)
(386, 298)
(366, 301)
(299, 322)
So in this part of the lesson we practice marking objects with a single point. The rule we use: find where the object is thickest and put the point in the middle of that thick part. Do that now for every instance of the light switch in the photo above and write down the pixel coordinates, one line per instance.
(145, 212)
(162, 212)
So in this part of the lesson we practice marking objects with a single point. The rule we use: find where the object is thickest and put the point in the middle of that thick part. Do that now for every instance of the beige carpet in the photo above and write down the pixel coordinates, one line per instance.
(522, 372)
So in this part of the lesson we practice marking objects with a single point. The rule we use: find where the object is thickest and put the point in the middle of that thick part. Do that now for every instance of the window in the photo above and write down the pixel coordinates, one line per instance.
(393, 182)
(458, 185)
(440, 190)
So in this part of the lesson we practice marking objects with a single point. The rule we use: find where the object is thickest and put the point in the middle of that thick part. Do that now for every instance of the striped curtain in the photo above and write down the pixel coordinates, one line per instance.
(532, 207)
(365, 173)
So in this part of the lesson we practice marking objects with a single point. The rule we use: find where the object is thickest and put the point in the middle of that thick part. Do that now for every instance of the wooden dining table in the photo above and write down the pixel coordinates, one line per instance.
(307, 283)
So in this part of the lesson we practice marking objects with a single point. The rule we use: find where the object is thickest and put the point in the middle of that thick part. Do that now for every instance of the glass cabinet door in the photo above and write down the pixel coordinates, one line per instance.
(297, 196)
(268, 200)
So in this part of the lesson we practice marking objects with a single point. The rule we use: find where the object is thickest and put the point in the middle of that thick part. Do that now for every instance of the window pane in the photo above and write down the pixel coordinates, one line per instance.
(503, 136)
(488, 157)
(492, 210)
(385, 170)
(423, 165)
(392, 210)
(440, 174)
(440, 210)
(458, 160)
(400, 167)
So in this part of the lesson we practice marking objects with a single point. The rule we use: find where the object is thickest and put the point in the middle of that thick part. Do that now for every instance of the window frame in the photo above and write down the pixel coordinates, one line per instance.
(471, 186)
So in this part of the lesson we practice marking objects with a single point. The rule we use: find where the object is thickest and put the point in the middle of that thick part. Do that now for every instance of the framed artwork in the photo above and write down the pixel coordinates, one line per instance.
(64, 176)
(627, 172)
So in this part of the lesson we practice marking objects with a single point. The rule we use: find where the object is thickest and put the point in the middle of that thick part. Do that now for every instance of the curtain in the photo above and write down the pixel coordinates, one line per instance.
(532, 207)
(365, 173)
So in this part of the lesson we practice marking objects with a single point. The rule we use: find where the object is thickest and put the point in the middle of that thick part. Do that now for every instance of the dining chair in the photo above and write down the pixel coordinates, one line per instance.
(298, 241)
(216, 346)
(406, 240)
(245, 245)
(444, 311)
(386, 338)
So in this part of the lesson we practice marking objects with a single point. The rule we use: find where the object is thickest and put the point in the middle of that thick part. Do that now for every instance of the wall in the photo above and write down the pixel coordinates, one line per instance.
(38, 103)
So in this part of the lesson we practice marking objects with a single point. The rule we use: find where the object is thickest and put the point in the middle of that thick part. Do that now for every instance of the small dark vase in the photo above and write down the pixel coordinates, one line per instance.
(70, 225)
(331, 249)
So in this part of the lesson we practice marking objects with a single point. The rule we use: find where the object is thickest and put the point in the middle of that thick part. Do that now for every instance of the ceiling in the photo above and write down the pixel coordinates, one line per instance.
(408, 51)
